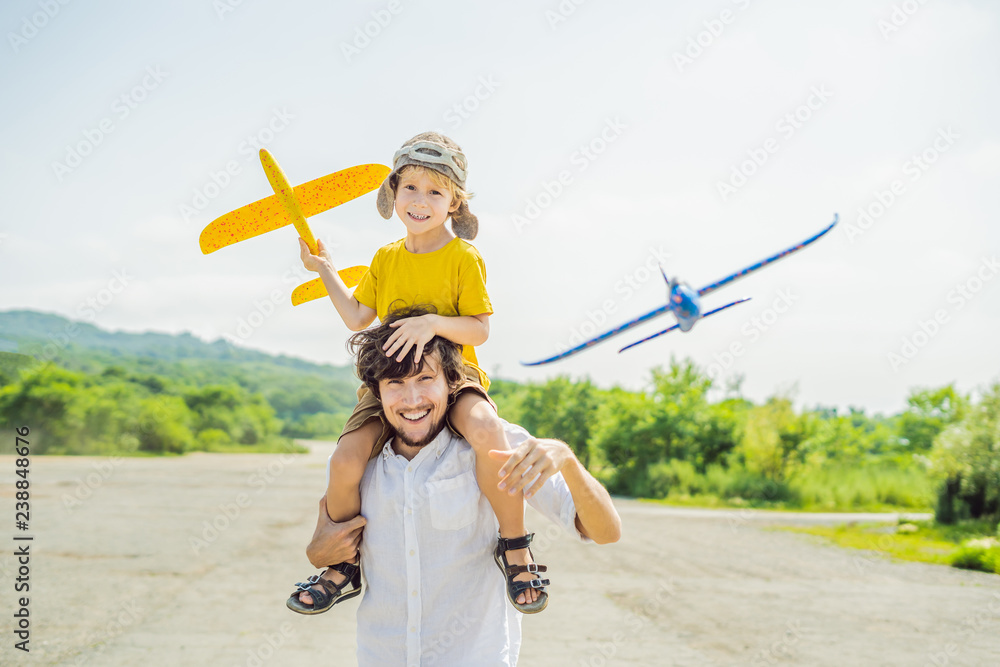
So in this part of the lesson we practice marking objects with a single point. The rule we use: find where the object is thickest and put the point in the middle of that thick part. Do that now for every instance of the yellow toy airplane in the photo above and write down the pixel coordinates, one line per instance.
(290, 205)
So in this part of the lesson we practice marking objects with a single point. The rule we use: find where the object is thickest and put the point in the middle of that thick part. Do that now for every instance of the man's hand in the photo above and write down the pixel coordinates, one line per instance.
(314, 262)
(531, 464)
(334, 543)
(408, 332)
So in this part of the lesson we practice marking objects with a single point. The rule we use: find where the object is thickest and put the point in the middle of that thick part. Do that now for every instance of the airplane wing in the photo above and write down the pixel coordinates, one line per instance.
(316, 196)
(773, 258)
(315, 289)
(604, 336)
(669, 329)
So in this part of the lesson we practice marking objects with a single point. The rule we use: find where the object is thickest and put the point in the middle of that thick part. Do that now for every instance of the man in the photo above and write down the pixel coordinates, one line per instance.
(434, 596)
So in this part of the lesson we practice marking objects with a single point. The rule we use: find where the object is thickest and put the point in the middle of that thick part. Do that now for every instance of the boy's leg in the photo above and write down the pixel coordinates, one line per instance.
(343, 492)
(477, 420)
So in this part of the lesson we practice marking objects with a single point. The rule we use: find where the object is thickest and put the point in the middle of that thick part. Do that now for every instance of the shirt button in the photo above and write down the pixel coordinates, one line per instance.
(412, 629)
(412, 552)
(409, 468)
(414, 594)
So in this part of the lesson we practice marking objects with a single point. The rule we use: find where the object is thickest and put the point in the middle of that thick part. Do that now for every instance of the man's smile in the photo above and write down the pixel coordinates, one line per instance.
(415, 416)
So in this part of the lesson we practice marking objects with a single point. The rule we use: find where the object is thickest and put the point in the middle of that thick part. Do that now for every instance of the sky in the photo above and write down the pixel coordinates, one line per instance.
(603, 139)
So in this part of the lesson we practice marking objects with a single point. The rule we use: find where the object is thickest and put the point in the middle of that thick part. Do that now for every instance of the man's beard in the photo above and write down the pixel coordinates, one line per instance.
(428, 439)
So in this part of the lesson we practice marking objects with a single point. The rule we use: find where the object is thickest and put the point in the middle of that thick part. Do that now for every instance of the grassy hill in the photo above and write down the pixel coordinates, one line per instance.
(288, 397)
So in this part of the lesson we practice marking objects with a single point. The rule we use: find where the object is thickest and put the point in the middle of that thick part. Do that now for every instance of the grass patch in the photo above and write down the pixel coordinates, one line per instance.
(876, 488)
(866, 489)
(967, 545)
(260, 448)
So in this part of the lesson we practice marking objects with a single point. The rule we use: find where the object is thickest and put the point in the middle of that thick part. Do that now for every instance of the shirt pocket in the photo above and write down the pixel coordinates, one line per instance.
(453, 502)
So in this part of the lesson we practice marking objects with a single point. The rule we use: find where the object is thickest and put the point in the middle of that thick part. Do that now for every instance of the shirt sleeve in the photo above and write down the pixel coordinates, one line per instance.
(367, 290)
(472, 296)
(554, 500)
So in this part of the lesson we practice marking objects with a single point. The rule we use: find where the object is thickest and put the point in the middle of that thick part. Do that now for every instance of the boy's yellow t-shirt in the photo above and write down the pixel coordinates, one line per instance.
(452, 279)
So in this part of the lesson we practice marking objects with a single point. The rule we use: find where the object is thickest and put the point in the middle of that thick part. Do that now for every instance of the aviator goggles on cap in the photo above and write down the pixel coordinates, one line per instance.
(434, 153)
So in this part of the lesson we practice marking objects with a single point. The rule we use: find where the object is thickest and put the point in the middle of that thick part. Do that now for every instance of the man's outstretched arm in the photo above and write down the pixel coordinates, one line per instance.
(537, 459)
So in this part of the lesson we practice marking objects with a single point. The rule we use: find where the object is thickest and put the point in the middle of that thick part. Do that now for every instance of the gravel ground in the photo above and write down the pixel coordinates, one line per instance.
(188, 561)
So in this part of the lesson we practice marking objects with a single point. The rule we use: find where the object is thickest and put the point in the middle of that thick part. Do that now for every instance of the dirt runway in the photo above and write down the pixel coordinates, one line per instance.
(188, 561)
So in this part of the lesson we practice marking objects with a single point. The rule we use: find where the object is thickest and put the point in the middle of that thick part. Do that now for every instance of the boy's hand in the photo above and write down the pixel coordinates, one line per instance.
(531, 464)
(410, 331)
(314, 262)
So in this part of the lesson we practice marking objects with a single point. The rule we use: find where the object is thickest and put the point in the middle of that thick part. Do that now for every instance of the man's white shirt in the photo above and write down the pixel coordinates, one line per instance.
(438, 597)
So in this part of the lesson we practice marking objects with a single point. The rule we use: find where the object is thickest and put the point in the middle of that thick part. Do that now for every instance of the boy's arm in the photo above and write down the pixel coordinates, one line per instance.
(535, 460)
(355, 314)
(418, 331)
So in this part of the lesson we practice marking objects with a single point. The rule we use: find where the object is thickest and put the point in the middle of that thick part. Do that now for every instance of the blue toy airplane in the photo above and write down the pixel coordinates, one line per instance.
(684, 303)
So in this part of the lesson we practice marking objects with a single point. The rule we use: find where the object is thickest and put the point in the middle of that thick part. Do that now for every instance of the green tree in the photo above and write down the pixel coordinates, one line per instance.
(562, 409)
(928, 412)
(51, 401)
(629, 436)
(966, 460)
(769, 439)
(163, 425)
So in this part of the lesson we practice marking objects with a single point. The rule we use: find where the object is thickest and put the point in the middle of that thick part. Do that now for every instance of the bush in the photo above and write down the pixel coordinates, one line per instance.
(757, 489)
(212, 439)
(674, 477)
(981, 554)
(871, 487)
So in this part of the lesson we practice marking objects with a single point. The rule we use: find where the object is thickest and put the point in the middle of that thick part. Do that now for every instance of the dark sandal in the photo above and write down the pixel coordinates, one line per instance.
(514, 588)
(328, 593)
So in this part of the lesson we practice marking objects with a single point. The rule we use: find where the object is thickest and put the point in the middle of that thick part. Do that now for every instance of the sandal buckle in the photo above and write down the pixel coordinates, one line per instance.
(532, 568)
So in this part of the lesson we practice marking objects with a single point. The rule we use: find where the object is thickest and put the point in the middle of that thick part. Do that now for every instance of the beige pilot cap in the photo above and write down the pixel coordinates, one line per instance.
(438, 152)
